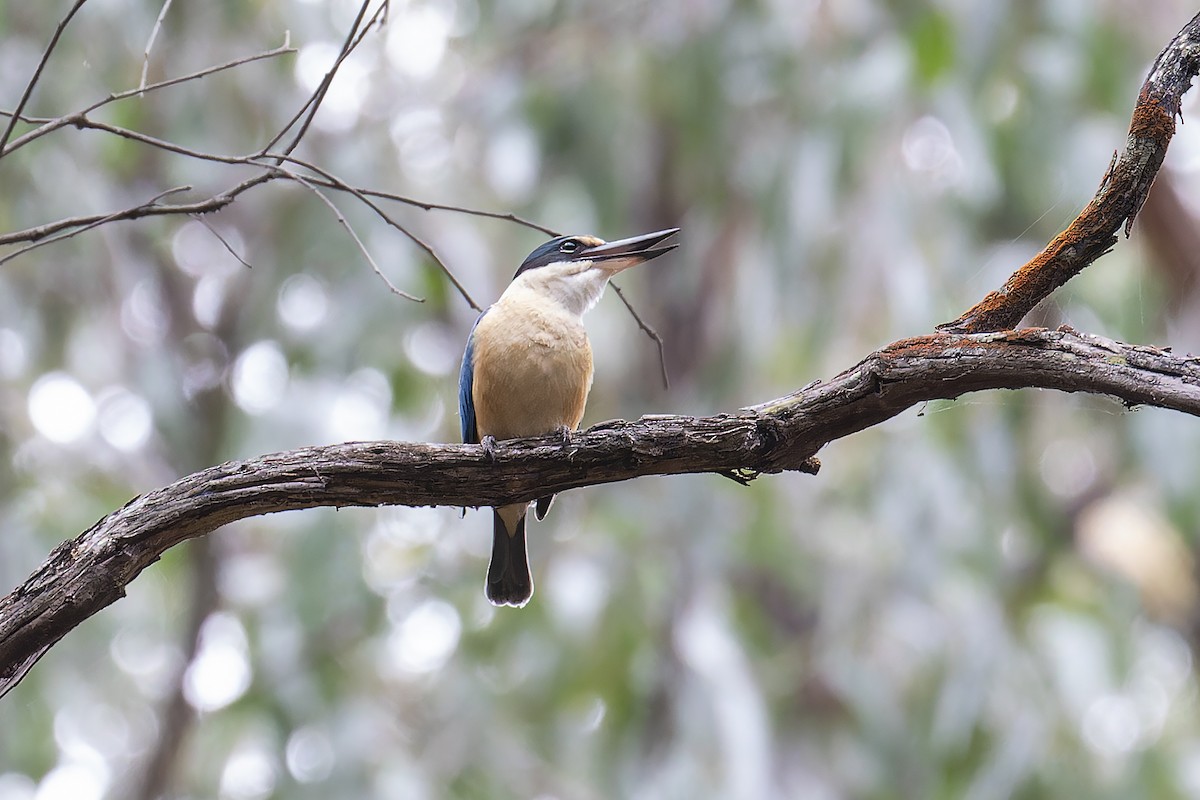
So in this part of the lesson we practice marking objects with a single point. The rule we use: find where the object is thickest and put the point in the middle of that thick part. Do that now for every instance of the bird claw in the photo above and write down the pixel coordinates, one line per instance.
(488, 443)
(564, 435)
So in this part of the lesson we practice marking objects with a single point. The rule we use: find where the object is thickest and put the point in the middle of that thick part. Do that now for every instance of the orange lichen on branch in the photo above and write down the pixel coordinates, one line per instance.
(1121, 194)
(1150, 119)
(1062, 259)
(940, 345)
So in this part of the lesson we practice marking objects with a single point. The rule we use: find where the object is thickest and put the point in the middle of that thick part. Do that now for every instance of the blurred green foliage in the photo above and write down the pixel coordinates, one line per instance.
(984, 598)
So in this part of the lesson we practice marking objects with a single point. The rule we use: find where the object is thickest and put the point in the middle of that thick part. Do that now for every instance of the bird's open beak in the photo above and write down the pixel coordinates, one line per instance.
(626, 253)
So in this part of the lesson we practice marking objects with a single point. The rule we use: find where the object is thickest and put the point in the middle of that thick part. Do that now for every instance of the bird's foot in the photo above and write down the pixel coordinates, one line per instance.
(488, 443)
(564, 435)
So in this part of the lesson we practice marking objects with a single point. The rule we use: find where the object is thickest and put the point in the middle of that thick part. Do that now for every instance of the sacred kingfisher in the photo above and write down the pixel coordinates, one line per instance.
(527, 370)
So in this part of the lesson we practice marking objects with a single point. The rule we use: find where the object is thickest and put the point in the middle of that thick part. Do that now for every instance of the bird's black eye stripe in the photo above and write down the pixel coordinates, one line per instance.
(569, 246)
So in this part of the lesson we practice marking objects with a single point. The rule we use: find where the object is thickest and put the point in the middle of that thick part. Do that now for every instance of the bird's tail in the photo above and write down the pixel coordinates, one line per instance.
(508, 580)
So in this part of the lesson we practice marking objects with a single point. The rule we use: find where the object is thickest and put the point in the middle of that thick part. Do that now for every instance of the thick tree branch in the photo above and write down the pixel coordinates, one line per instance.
(85, 575)
(1122, 191)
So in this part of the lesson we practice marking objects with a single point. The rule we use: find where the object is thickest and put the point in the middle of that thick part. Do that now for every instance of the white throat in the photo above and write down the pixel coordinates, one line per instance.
(574, 285)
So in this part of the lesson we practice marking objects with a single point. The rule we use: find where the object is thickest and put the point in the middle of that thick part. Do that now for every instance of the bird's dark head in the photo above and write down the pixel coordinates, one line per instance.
(575, 254)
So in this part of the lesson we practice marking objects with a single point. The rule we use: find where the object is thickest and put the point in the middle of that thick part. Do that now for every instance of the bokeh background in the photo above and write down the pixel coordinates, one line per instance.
(987, 598)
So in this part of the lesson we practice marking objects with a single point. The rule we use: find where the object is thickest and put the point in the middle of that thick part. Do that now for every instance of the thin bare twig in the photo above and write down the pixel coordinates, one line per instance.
(28, 120)
(221, 239)
(474, 212)
(309, 110)
(162, 14)
(325, 180)
(37, 73)
(214, 203)
(151, 203)
(353, 235)
(649, 331)
(336, 183)
(49, 126)
(80, 120)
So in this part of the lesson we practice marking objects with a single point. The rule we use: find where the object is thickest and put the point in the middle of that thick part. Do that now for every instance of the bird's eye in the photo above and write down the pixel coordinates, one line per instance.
(569, 246)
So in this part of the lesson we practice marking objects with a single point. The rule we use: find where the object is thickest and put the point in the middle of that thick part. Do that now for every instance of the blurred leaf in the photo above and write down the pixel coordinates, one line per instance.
(931, 37)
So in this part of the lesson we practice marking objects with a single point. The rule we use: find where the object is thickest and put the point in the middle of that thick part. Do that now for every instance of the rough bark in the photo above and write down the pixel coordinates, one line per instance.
(1122, 192)
(84, 575)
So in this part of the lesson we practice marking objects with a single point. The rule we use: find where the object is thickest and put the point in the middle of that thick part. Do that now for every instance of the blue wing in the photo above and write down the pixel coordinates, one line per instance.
(466, 382)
